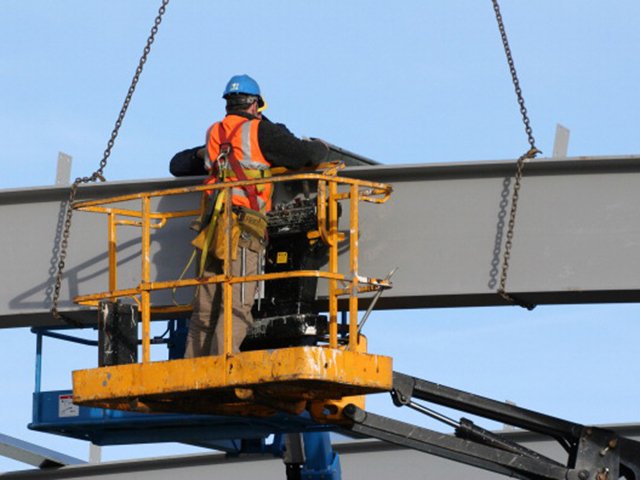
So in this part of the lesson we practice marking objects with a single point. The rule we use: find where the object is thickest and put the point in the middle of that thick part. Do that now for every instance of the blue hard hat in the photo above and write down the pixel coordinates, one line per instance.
(244, 85)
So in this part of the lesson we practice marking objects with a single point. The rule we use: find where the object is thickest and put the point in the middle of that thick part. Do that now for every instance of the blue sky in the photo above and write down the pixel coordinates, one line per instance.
(401, 82)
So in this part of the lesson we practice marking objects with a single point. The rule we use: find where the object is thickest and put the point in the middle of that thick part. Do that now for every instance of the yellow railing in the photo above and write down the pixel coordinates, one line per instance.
(331, 190)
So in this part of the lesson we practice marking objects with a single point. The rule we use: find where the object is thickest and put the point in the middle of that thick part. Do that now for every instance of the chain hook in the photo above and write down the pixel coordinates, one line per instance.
(531, 154)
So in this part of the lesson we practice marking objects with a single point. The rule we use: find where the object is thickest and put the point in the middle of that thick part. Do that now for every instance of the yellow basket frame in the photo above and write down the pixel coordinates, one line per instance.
(331, 190)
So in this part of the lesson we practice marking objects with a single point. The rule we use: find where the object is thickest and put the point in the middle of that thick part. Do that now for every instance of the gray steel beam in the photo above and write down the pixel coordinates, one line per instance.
(577, 237)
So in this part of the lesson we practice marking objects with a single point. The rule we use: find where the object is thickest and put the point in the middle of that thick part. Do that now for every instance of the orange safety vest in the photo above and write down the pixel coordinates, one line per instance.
(240, 136)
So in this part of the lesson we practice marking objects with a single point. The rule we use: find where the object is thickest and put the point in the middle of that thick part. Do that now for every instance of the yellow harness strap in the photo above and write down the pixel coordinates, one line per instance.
(210, 229)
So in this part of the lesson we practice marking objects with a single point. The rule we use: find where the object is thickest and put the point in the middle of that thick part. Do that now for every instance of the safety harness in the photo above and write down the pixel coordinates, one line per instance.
(227, 165)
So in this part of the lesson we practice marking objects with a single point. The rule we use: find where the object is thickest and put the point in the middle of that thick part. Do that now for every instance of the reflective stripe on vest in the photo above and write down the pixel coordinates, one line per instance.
(246, 149)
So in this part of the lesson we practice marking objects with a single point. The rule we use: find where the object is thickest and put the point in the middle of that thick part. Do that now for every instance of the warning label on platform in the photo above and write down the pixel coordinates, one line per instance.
(66, 408)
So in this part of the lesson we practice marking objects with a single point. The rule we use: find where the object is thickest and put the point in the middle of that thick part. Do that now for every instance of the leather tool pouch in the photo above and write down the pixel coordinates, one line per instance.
(220, 239)
(198, 242)
(252, 222)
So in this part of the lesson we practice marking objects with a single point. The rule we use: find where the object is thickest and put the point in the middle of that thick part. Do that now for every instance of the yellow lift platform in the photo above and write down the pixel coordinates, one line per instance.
(258, 382)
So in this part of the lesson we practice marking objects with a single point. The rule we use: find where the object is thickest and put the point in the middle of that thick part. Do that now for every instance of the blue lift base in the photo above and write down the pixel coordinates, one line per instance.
(53, 412)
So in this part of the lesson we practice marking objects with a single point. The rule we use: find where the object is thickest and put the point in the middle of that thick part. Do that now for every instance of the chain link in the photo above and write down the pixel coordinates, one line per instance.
(99, 173)
(531, 153)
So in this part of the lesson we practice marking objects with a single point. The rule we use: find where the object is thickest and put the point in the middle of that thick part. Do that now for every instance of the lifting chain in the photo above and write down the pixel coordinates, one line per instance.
(531, 153)
(98, 174)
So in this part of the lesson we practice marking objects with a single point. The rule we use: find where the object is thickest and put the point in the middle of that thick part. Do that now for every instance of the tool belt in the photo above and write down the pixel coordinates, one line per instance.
(246, 224)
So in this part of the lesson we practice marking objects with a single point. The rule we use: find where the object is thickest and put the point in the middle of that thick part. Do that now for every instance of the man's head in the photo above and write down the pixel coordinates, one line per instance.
(242, 94)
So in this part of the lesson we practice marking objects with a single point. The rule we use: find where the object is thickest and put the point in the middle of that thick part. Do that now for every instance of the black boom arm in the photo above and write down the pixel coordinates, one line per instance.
(592, 453)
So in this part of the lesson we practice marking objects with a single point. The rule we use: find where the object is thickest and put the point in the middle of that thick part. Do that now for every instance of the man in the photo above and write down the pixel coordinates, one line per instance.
(245, 144)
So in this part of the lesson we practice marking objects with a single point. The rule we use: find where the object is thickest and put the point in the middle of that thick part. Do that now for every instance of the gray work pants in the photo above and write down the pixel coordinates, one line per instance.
(206, 327)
